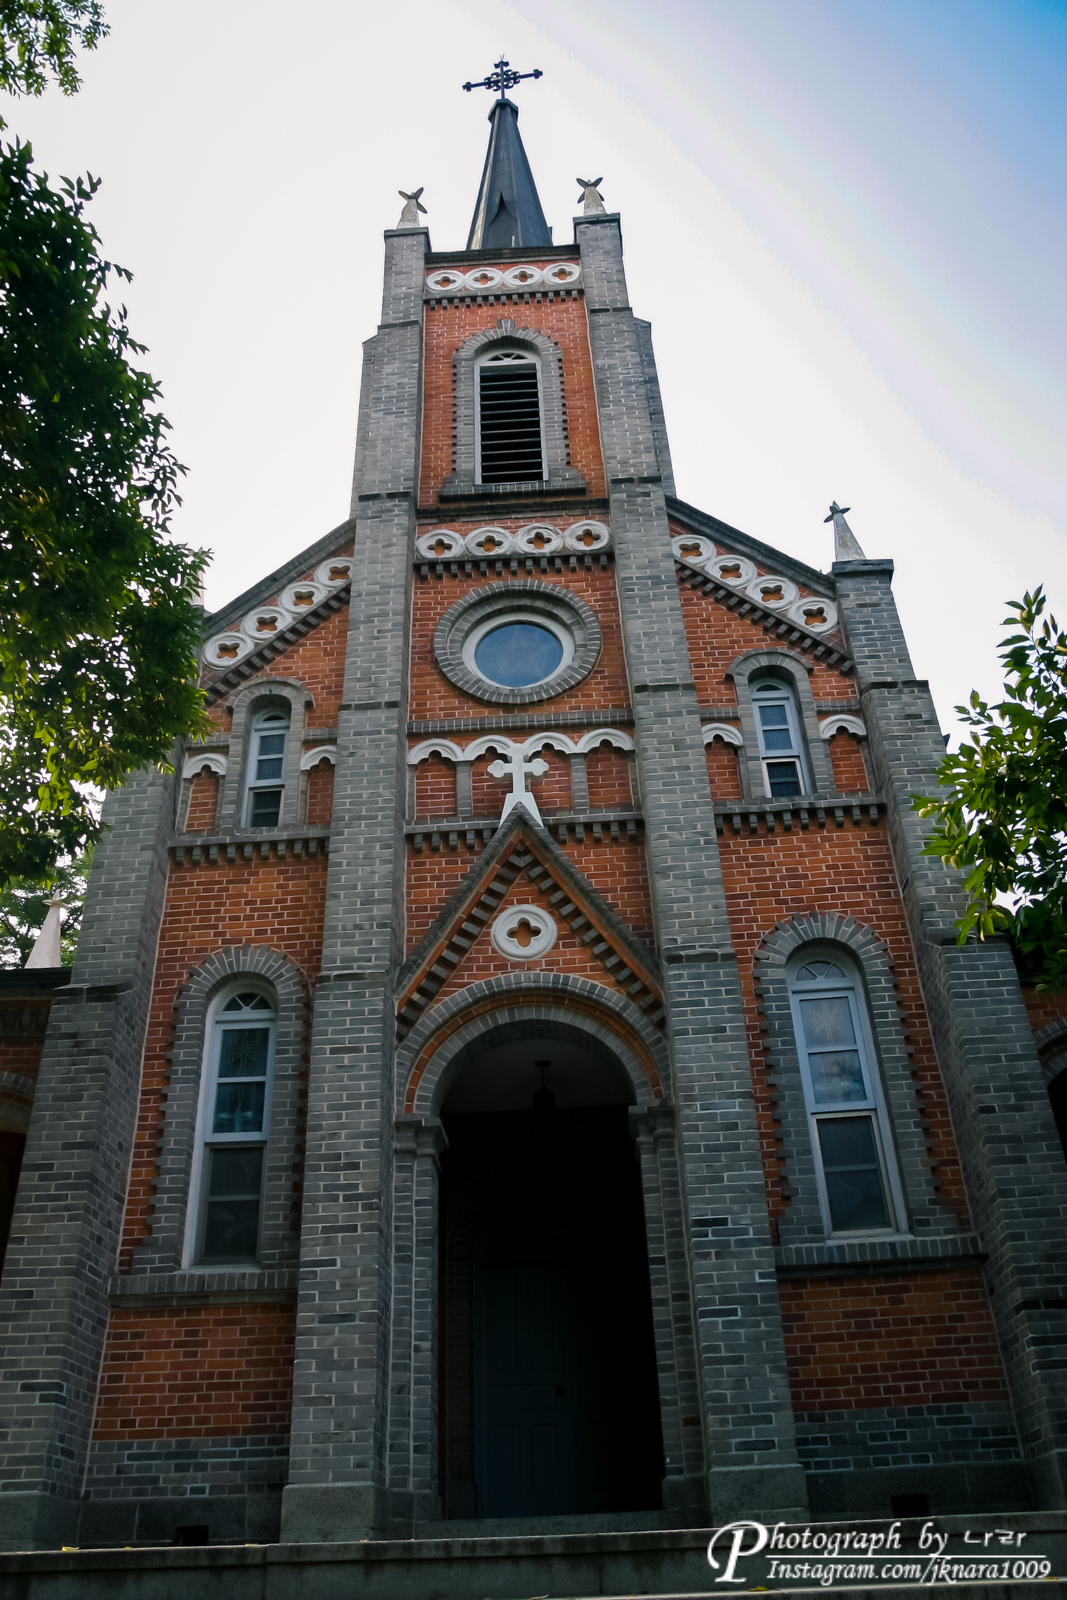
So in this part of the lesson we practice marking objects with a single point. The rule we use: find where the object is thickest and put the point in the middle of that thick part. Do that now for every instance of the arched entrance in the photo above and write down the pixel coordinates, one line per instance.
(548, 1393)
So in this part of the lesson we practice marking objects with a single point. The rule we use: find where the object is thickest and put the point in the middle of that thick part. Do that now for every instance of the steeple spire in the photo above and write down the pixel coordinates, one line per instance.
(846, 545)
(508, 210)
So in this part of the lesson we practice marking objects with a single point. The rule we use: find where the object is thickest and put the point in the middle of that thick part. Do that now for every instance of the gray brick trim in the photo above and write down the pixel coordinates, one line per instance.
(906, 1436)
(204, 1287)
(413, 1453)
(854, 1257)
(654, 1129)
(498, 599)
(524, 722)
(558, 471)
(68, 1214)
(1052, 1033)
(260, 592)
(162, 1252)
(219, 682)
(764, 555)
(779, 663)
(525, 1002)
(246, 702)
(803, 1221)
(121, 1469)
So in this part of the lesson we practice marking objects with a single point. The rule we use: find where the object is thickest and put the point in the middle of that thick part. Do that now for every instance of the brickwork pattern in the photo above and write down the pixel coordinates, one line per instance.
(431, 693)
(275, 902)
(891, 1341)
(447, 328)
(849, 871)
(203, 803)
(618, 871)
(724, 774)
(208, 1371)
(850, 770)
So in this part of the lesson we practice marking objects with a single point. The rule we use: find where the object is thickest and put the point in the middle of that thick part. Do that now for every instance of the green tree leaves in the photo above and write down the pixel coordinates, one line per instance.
(1006, 815)
(39, 36)
(99, 611)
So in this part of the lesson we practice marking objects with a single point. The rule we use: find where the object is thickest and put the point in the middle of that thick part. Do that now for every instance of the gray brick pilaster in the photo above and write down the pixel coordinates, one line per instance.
(338, 1481)
(68, 1217)
(749, 1442)
(413, 1400)
(1009, 1148)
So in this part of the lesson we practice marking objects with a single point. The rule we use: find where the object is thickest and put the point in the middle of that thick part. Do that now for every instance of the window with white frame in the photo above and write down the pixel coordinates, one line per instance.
(235, 1124)
(780, 745)
(859, 1188)
(508, 435)
(266, 768)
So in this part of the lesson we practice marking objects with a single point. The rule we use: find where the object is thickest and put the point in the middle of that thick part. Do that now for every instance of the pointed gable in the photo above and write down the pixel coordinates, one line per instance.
(522, 857)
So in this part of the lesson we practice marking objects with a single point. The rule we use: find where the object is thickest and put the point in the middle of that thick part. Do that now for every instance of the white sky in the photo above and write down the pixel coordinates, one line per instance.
(843, 218)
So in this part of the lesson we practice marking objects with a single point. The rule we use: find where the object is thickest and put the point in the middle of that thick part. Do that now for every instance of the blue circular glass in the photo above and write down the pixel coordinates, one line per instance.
(518, 654)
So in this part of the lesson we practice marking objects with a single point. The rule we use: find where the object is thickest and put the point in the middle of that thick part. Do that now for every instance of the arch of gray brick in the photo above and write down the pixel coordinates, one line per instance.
(528, 997)
(803, 1221)
(528, 1001)
(780, 664)
(244, 702)
(162, 1251)
(558, 472)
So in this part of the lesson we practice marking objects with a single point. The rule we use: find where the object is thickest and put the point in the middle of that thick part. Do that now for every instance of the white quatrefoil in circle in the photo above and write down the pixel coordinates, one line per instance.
(523, 933)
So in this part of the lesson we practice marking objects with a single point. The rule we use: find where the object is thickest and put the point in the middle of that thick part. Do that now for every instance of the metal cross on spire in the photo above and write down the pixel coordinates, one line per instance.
(503, 78)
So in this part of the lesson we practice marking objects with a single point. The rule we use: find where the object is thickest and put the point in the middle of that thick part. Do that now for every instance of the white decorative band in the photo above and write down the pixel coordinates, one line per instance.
(311, 758)
(724, 731)
(838, 721)
(196, 763)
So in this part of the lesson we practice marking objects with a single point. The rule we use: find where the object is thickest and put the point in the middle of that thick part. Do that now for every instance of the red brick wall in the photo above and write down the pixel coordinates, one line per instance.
(1044, 1008)
(276, 903)
(449, 327)
(608, 773)
(892, 1341)
(203, 803)
(718, 636)
(724, 774)
(846, 757)
(431, 693)
(205, 1372)
(435, 788)
(320, 793)
(770, 878)
(20, 1051)
(617, 871)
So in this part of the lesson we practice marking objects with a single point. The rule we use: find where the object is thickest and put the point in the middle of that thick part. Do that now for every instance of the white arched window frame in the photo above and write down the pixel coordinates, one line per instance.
(856, 1170)
(266, 768)
(509, 432)
(233, 1127)
(781, 742)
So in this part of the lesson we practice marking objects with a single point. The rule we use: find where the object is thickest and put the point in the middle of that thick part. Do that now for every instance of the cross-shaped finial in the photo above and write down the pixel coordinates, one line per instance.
(515, 768)
(503, 78)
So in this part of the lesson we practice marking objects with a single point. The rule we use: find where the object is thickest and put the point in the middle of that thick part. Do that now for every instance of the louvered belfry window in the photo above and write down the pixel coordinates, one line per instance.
(509, 418)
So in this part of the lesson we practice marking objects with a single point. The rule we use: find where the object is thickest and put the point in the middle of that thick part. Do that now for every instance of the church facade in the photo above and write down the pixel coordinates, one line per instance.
(520, 1068)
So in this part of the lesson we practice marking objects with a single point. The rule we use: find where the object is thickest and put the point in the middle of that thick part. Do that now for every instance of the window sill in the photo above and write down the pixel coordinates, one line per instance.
(202, 1286)
(879, 1254)
(569, 481)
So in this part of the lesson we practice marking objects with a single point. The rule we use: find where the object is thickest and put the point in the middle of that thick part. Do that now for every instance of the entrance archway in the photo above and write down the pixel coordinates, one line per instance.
(548, 1393)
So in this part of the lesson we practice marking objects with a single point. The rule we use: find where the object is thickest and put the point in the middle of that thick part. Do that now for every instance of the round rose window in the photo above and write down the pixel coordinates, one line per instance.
(518, 654)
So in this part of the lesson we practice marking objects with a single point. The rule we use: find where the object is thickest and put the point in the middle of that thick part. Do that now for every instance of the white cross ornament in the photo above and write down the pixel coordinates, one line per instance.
(515, 768)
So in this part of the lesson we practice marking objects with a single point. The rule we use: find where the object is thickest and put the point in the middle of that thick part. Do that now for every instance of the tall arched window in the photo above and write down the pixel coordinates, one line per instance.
(266, 768)
(859, 1188)
(780, 745)
(235, 1122)
(509, 433)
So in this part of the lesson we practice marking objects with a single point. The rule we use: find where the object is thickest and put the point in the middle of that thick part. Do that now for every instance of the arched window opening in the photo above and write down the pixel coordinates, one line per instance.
(266, 768)
(235, 1124)
(780, 744)
(509, 423)
(859, 1189)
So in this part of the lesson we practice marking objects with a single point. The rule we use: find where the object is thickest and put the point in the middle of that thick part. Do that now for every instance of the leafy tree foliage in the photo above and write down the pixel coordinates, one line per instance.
(24, 906)
(99, 612)
(37, 36)
(1006, 815)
